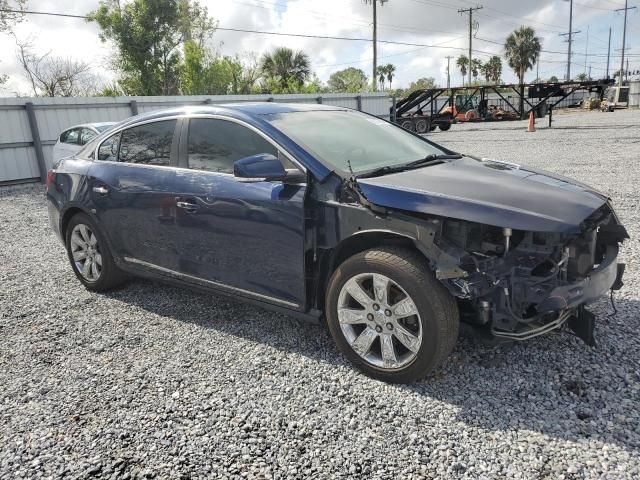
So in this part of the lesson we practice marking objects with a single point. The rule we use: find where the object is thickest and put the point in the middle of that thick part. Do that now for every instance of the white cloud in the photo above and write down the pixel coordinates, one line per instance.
(429, 22)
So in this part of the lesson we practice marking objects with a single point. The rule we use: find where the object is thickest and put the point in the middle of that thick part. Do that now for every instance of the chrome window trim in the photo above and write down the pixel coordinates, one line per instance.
(127, 127)
(189, 116)
(280, 148)
(210, 282)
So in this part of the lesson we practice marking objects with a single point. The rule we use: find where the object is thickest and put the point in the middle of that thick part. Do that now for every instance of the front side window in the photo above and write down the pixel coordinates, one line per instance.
(214, 145)
(148, 144)
(351, 141)
(71, 136)
(108, 150)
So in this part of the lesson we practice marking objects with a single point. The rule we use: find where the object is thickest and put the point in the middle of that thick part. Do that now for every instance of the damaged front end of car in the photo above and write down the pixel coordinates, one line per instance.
(521, 284)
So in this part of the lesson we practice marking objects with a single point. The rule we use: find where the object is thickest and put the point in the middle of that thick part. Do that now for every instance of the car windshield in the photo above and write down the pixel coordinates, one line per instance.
(339, 137)
(103, 127)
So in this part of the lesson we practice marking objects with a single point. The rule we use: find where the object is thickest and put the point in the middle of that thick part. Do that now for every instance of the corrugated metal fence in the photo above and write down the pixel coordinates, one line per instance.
(29, 127)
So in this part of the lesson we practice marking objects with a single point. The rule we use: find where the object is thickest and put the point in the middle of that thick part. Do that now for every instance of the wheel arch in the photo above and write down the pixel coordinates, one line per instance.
(66, 217)
(356, 243)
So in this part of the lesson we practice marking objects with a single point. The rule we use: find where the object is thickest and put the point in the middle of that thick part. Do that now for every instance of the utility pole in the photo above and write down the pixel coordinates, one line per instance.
(589, 73)
(624, 36)
(608, 53)
(586, 51)
(448, 71)
(470, 12)
(375, 40)
(569, 39)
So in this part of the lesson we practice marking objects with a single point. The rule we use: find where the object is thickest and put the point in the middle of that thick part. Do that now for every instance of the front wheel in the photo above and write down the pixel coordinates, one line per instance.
(389, 315)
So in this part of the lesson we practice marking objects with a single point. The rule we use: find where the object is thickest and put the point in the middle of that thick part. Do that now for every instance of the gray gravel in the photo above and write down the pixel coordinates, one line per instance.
(153, 381)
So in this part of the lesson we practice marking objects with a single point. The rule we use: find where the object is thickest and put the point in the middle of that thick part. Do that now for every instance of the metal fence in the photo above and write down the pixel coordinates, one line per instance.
(29, 127)
(634, 93)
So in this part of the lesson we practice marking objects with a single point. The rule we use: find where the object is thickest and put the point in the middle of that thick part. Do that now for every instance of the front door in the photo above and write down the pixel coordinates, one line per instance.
(246, 236)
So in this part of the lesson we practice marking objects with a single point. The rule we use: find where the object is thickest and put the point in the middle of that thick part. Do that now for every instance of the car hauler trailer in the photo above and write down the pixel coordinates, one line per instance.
(423, 111)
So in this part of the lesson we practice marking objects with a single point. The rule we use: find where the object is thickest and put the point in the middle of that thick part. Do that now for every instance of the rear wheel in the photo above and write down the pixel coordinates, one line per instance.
(445, 126)
(390, 316)
(422, 126)
(89, 255)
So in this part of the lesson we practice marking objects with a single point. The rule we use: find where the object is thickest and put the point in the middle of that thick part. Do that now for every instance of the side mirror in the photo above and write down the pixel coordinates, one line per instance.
(262, 165)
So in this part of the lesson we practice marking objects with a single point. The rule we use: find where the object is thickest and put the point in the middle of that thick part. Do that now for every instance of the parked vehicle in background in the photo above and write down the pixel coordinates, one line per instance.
(74, 138)
(326, 212)
(617, 97)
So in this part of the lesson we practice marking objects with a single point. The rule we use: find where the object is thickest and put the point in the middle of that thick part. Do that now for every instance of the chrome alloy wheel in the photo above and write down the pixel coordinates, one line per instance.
(86, 252)
(379, 320)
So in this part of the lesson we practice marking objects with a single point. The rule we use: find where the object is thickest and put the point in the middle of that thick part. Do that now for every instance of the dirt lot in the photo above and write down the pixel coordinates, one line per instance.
(153, 381)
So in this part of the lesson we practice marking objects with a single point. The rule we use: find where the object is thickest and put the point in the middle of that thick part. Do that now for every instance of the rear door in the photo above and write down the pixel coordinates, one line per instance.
(131, 184)
(247, 236)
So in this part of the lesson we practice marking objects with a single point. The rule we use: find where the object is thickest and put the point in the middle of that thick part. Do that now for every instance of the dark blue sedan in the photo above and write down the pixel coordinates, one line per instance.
(331, 214)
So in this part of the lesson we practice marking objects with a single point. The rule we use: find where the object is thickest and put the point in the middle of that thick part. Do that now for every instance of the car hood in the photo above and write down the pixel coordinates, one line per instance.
(488, 192)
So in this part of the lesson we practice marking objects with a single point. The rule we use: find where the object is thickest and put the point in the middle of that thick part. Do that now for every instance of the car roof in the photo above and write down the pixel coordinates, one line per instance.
(91, 125)
(252, 110)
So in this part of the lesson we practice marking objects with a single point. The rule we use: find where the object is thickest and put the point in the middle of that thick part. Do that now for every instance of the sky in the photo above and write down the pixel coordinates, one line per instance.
(436, 23)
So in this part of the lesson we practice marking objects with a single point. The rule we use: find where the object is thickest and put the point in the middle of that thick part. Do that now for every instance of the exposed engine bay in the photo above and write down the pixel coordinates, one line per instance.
(521, 284)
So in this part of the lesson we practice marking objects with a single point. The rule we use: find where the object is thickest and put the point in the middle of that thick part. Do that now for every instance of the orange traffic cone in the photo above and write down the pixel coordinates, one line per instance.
(532, 124)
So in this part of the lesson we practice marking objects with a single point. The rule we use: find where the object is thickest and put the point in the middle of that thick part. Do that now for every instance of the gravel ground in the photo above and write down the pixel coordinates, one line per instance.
(152, 381)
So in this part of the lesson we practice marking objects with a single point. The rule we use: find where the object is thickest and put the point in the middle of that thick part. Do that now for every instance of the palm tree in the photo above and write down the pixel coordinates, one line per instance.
(390, 71)
(284, 65)
(382, 75)
(463, 63)
(522, 49)
(492, 69)
(476, 67)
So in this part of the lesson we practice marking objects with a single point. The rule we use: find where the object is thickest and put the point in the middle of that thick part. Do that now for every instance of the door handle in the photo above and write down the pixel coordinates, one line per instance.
(101, 190)
(188, 206)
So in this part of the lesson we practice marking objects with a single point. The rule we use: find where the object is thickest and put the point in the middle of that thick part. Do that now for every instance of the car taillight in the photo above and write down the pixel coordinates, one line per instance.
(50, 175)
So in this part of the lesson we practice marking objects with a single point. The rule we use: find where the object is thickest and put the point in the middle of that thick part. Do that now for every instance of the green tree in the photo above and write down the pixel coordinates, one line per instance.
(390, 71)
(201, 73)
(492, 69)
(582, 77)
(149, 36)
(553, 79)
(463, 64)
(9, 18)
(476, 68)
(286, 67)
(348, 80)
(522, 49)
(424, 83)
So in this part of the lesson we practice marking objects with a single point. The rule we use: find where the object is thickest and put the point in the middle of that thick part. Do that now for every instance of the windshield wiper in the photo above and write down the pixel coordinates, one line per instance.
(433, 159)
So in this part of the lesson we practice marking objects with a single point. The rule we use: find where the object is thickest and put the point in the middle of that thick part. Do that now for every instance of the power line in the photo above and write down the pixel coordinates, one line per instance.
(470, 11)
(280, 34)
(624, 37)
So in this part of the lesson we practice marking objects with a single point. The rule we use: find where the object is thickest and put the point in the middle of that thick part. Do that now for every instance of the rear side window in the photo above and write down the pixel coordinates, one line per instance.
(214, 145)
(108, 150)
(86, 135)
(71, 136)
(148, 144)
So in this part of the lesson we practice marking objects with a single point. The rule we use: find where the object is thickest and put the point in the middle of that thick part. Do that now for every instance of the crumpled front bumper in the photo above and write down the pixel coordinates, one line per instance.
(606, 276)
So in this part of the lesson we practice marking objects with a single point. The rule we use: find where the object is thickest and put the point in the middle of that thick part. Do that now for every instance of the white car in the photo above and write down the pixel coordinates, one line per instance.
(72, 139)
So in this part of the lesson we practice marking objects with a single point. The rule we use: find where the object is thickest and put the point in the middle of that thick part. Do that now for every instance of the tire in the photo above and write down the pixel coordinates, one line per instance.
(408, 125)
(435, 324)
(422, 126)
(444, 126)
(105, 275)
